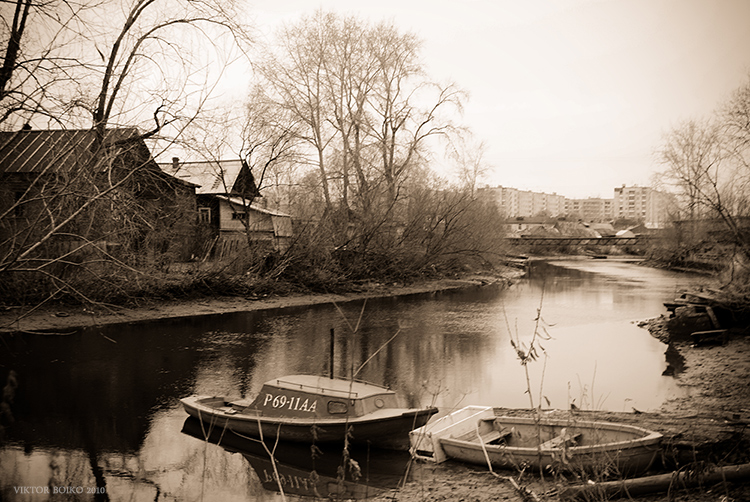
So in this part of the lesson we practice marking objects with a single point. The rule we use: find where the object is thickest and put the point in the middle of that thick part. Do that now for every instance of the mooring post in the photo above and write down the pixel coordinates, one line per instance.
(332, 345)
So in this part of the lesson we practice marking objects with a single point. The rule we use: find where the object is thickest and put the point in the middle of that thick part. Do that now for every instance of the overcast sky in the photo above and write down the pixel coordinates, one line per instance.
(571, 96)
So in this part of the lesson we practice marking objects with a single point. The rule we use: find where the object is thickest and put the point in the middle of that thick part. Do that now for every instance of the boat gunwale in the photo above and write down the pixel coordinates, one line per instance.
(647, 439)
(253, 415)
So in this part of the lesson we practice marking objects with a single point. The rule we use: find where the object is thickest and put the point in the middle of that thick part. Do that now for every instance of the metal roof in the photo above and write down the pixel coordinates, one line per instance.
(39, 151)
(332, 387)
(213, 177)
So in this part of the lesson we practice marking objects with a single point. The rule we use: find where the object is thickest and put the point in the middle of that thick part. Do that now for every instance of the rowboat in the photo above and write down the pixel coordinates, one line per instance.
(315, 409)
(478, 435)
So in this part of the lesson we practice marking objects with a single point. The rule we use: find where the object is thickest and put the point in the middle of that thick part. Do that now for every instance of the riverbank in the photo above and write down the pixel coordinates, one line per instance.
(64, 318)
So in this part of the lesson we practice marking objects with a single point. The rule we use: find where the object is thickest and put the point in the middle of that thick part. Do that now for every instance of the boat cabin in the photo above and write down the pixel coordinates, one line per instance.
(309, 396)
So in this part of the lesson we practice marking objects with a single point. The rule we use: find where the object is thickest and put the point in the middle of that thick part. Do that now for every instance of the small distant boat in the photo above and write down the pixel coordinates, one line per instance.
(477, 434)
(307, 408)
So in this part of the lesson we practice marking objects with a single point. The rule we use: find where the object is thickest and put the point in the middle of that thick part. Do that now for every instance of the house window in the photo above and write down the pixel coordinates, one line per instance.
(239, 216)
(204, 215)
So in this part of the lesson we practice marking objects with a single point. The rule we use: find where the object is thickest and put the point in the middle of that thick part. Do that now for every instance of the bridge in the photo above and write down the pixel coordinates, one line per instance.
(579, 241)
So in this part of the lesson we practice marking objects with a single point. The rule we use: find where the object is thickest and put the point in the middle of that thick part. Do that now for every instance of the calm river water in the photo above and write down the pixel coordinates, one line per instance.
(96, 412)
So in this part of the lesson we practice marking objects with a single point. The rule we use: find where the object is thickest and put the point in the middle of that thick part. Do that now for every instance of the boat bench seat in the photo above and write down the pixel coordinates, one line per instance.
(493, 436)
(564, 439)
(242, 403)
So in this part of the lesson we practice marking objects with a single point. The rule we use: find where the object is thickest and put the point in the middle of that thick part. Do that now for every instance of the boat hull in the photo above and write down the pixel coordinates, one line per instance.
(384, 429)
(594, 446)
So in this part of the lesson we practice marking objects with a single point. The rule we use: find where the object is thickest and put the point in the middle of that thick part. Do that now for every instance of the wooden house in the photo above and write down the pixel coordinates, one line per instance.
(74, 191)
(231, 210)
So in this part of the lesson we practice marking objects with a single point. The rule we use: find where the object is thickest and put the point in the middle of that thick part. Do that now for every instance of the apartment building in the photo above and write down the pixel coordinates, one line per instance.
(642, 204)
(524, 203)
(592, 209)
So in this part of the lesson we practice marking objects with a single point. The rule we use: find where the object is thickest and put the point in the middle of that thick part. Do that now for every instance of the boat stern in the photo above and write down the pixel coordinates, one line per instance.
(425, 441)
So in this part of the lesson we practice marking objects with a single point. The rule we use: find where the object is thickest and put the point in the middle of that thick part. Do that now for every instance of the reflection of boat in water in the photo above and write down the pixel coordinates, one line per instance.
(315, 409)
(478, 434)
(297, 472)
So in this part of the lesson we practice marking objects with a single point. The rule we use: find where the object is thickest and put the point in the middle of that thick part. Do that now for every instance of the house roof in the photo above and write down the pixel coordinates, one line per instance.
(575, 229)
(604, 229)
(239, 201)
(212, 177)
(38, 151)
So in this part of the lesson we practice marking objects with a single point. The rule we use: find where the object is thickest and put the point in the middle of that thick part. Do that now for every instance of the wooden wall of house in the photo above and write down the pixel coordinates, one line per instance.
(257, 221)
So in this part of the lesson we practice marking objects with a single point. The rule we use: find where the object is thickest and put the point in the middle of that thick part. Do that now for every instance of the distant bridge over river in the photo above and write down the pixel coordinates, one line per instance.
(579, 241)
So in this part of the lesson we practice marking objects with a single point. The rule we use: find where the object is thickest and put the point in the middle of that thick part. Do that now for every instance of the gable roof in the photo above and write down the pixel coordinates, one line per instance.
(38, 151)
(215, 177)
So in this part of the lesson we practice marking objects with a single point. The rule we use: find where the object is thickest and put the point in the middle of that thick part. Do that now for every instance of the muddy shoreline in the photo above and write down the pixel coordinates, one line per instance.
(65, 318)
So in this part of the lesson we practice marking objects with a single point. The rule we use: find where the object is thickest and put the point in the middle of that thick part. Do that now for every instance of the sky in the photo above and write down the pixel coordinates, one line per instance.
(570, 96)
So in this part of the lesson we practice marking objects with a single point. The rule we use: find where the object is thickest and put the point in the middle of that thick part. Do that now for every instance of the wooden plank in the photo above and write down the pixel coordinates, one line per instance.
(712, 336)
(714, 320)
(564, 438)
(653, 484)
(487, 438)
(490, 436)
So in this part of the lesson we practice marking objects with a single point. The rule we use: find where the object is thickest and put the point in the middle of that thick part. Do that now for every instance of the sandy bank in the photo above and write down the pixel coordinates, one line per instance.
(65, 318)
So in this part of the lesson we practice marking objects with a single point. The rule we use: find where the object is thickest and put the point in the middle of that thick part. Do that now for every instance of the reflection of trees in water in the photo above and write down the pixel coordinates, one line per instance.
(538, 272)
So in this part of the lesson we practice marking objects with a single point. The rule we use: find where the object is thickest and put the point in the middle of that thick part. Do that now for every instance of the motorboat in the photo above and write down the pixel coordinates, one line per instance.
(315, 409)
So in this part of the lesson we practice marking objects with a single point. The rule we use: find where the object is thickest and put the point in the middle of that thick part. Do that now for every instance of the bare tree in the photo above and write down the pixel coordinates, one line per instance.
(295, 73)
(14, 33)
(41, 42)
(734, 117)
(468, 156)
(692, 154)
(349, 80)
(703, 171)
(400, 126)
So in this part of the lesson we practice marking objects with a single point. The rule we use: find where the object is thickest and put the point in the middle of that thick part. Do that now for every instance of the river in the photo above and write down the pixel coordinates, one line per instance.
(96, 412)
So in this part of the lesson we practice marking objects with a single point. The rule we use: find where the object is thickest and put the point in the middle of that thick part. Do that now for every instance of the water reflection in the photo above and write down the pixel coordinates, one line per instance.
(99, 408)
(310, 471)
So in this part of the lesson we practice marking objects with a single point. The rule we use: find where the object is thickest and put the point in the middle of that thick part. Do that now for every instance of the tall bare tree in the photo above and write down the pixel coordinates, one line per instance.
(295, 73)
(400, 125)
(705, 162)
(468, 156)
(692, 154)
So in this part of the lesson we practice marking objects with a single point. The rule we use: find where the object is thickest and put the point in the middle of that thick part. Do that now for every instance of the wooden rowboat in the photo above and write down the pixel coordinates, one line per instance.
(306, 408)
(478, 435)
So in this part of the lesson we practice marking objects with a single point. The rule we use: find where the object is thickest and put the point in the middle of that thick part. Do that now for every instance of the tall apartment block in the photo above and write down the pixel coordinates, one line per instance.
(514, 202)
(593, 209)
(642, 204)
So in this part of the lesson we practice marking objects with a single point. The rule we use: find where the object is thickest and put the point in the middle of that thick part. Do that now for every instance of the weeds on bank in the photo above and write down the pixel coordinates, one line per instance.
(528, 352)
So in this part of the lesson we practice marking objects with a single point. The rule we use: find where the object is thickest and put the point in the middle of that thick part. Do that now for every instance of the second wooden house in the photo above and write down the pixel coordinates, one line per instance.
(231, 211)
